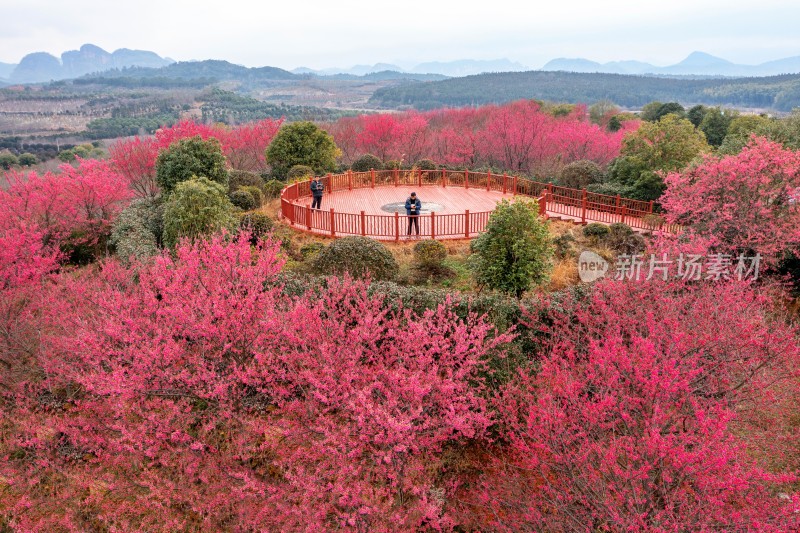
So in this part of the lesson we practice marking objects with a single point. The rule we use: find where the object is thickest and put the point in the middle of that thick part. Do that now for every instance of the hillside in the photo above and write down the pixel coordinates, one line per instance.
(779, 93)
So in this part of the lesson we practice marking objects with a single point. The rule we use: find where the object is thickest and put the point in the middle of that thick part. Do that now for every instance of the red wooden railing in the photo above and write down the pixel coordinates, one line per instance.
(576, 204)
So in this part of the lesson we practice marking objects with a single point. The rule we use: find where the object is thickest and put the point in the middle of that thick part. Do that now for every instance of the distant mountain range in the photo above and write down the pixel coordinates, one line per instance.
(696, 64)
(91, 59)
(42, 67)
(6, 69)
(461, 67)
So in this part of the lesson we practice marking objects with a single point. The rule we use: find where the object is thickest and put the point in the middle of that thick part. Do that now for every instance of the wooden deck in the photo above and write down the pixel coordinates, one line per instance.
(453, 200)
(359, 212)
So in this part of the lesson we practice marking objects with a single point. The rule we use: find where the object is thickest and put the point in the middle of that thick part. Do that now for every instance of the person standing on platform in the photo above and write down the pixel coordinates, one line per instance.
(413, 209)
(317, 189)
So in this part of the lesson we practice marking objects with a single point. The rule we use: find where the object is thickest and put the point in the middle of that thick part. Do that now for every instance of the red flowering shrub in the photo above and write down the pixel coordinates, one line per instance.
(628, 422)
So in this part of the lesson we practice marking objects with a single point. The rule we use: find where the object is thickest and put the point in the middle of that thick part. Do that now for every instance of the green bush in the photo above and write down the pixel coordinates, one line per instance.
(392, 164)
(258, 224)
(242, 178)
(580, 174)
(563, 245)
(425, 164)
(358, 256)
(27, 159)
(273, 188)
(299, 172)
(430, 254)
(302, 143)
(595, 230)
(653, 221)
(514, 252)
(258, 196)
(188, 158)
(138, 230)
(8, 160)
(621, 238)
(195, 209)
(366, 162)
(243, 200)
(310, 250)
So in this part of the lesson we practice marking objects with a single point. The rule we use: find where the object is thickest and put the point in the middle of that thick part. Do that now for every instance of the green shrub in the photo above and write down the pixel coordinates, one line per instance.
(580, 174)
(621, 238)
(299, 172)
(595, 230)
(425, 164)
(392, 164)
(138, 230)
(310, 250)
(514, 252)
(302, 143)
(197, 208)
(242, 178)
(258, 224)
(273, 188)
(243, 200)
(27, 159)
(358, 256)
(653, 221)
(366, 162)
(258, 196)
(187, 158)
(8, 160)
(563, 245)
(430, 254)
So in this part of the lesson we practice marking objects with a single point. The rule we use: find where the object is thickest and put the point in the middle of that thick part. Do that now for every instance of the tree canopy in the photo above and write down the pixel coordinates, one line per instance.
(302, 143)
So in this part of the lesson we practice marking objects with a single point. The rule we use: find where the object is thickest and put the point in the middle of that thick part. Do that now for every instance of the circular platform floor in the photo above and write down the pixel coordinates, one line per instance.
(450, 200)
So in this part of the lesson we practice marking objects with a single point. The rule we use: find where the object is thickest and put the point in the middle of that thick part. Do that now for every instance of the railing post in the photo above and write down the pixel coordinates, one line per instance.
(466, 179)
(396, 176)
(623, 214)
(444, 178)
(419, 178)
(505, 182)
(330, 182)
(583, 207)
(651, 207)
(396, 226)
(489, 181)
(515, 186)
(289, 210)
(543, 205)
(433, 224)
(333, 224)
(308, 217)
(466, 223)
(363, 225)
(349, 180)
(372, 176)
(618, 200)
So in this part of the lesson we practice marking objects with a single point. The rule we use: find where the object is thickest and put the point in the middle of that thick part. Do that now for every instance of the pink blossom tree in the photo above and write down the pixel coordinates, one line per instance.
(628, 422)
(744, 203)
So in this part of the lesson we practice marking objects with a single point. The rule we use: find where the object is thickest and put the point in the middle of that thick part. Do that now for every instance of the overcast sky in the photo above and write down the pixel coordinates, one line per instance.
(341, 33)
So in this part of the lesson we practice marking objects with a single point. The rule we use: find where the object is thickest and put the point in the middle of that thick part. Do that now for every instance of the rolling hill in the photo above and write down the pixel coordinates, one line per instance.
(779, 93)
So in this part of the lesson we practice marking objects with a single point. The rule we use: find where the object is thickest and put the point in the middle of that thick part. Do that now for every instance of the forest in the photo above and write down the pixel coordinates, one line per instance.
(777, 93)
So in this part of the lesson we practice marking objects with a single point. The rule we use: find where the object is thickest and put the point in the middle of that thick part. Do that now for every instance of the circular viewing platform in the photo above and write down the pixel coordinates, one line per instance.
(455, 204)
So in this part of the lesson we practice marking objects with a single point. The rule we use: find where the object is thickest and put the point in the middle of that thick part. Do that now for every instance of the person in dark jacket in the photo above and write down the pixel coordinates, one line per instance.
(413, 209)
(317, 188)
